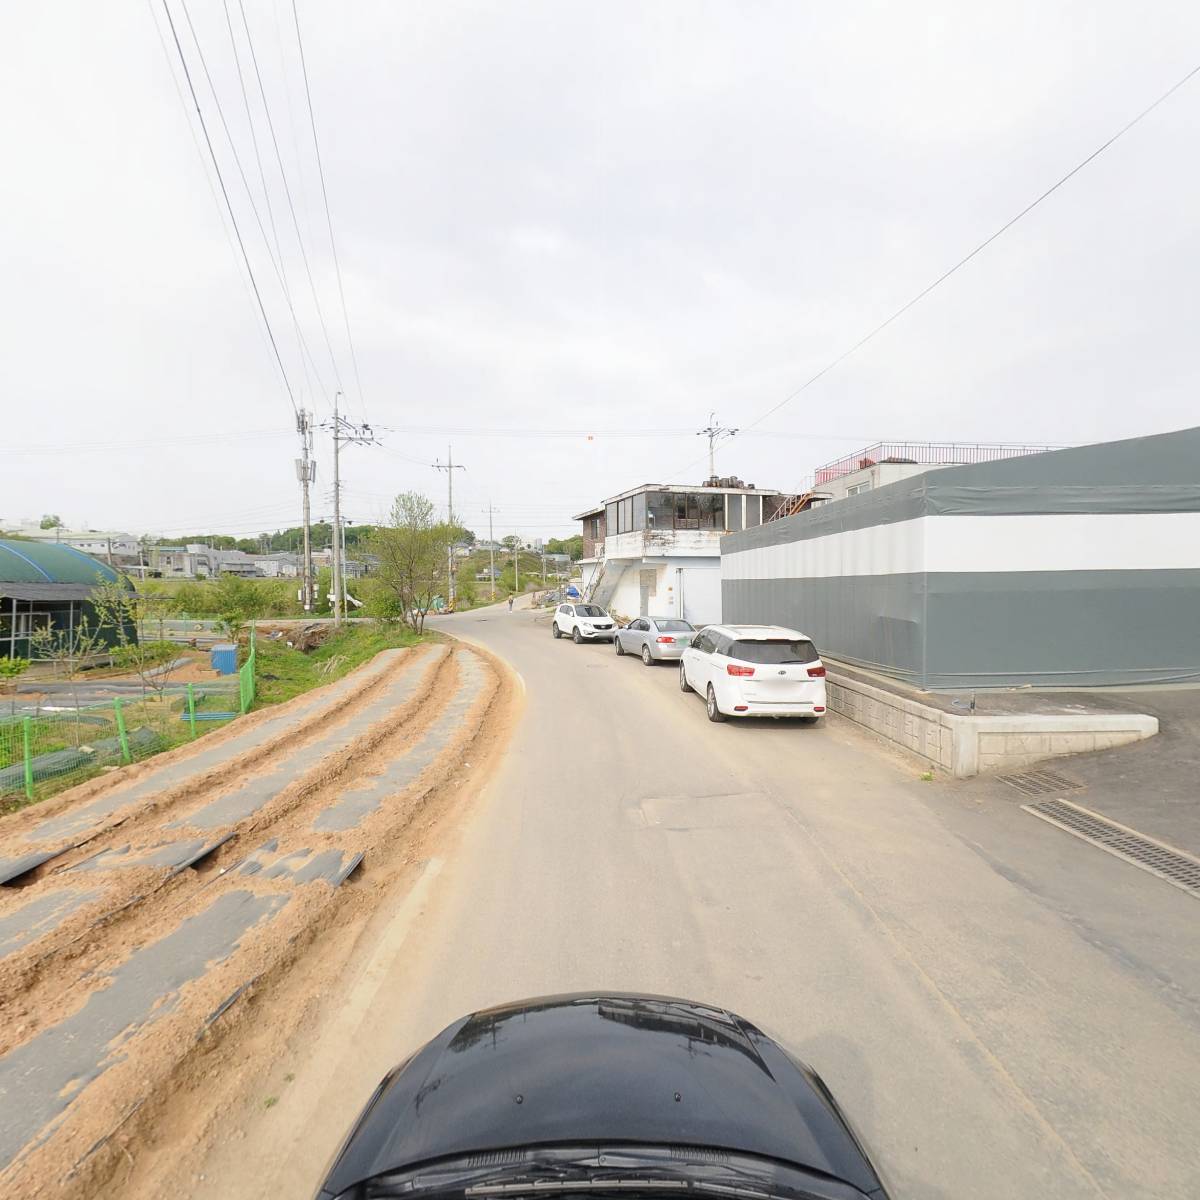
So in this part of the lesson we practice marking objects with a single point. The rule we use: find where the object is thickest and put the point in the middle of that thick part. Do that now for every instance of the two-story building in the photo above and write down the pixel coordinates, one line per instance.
(656, 548)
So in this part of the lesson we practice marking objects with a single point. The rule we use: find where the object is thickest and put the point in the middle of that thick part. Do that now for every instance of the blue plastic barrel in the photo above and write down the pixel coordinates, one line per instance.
(224, 659)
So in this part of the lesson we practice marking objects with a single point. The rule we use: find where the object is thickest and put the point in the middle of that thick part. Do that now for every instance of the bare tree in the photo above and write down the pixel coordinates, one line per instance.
(122, 619)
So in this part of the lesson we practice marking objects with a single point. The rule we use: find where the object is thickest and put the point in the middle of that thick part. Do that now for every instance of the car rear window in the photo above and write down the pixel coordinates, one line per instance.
(673, 626)
(778, 650)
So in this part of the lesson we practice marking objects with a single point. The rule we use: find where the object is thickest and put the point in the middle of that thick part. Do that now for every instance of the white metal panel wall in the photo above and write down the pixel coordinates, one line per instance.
(966, 544)
(896, 549)
(701, 594)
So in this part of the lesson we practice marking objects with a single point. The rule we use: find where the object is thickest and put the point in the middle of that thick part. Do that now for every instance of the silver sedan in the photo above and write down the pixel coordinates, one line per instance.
(655, 638)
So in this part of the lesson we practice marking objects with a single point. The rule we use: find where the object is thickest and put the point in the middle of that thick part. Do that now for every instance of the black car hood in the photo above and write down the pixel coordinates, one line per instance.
(594, 1068)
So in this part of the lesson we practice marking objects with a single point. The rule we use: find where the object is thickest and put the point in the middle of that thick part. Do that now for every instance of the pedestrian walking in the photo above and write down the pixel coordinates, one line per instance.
(510, 600)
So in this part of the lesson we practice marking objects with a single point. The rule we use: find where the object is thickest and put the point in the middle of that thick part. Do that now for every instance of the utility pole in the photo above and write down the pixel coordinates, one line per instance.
(450, 466)
(343, 432)
(713, 432)
(517, 566)
(492, 549)
(306, 472)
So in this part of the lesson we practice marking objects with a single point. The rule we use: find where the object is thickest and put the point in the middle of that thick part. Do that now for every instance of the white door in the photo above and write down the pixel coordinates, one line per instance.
(701, 594)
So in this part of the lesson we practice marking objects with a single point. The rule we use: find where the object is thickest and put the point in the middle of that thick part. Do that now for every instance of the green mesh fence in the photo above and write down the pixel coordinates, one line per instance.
(46, 748)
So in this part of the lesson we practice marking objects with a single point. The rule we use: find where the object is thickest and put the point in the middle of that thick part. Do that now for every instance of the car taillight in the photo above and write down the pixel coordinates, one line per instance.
(734, 669)
(664, 639)
(816, 672)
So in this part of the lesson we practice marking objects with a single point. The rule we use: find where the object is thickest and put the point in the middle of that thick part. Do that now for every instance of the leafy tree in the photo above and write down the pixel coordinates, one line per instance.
(412, 556)
(51, 521)
(11, 669)
(323, 590)
(236, 601)
(571, 545)
(512, 543)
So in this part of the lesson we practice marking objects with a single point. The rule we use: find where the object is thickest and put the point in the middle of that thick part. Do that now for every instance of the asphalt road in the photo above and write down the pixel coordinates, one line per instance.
(1004, 1011)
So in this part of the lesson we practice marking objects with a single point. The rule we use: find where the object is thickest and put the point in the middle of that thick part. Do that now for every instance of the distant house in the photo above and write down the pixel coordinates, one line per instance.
(654, 550)
(47, 586)
(106, 544)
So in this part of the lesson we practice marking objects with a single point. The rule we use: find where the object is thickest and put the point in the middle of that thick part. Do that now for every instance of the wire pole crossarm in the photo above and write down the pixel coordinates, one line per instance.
(713, 432)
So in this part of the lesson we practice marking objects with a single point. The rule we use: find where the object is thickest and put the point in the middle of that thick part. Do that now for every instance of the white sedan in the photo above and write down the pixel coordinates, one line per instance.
(755, 671)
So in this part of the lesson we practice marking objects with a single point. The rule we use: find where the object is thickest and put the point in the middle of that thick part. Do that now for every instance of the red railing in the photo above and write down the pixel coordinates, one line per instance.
(925, 453)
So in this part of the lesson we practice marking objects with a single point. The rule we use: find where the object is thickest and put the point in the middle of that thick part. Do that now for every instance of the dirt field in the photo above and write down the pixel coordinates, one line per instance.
(199, 906)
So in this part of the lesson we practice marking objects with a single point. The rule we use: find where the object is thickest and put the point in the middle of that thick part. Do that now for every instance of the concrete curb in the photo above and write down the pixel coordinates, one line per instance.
(971, 745)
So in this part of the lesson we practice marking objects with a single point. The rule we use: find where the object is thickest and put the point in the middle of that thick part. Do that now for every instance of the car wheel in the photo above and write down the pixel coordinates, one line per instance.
(647, 657)
(620, 648)
(575, 635)
(684, 686)
(714, 713)
(554, 629)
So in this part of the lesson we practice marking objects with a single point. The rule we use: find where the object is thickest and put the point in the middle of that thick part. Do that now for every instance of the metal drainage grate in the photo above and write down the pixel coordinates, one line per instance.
(1040, 783)
(1164, 861)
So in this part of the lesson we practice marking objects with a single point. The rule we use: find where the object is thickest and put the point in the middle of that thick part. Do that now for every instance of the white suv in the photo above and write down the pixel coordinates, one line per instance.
(754, 671)
(583, 623)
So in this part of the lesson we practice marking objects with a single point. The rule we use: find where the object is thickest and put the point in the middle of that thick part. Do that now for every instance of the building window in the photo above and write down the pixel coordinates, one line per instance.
(660, 508)
(611, 526)
(865, 486)
(626, 515)
(753, 511)
(710, 511)
(639, 511)
(594, 528)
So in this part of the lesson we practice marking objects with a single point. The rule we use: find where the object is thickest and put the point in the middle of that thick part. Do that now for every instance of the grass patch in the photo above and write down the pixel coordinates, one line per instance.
(284, 673)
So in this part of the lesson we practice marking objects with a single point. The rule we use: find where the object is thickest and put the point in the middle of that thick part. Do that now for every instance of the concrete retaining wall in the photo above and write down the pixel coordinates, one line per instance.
(968, 745)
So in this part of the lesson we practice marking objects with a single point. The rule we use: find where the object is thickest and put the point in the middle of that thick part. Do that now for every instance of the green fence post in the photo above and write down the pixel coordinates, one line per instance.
(121, 735)
(26, 738)
(191, 695)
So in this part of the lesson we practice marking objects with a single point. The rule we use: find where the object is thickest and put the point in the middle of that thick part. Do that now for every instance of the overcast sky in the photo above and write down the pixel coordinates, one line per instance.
(605, 218)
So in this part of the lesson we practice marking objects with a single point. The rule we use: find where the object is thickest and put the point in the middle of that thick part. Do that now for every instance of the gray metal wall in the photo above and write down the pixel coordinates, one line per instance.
(873, 620)
(947, 629)
(1063, 628)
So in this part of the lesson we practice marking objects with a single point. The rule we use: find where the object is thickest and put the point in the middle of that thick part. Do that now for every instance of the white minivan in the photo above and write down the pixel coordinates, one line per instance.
(755, 671)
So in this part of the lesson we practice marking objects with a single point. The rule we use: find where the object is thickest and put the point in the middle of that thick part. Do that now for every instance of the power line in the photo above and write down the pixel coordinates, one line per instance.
(232, 216)
(983, 245)
(966, 258)
(328, 219)
(287, 191)
(212, 191)
(634, 433)
(280, 274)
(262, 178)
(188, 439)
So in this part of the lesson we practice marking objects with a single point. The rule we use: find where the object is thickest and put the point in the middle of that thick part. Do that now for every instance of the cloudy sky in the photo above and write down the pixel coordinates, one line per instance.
(563, 219)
